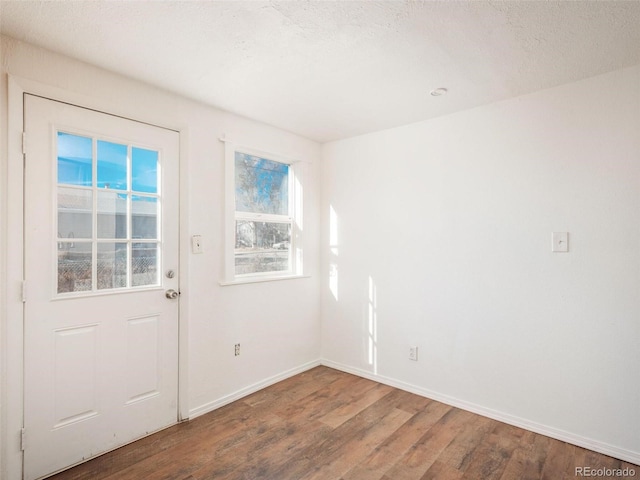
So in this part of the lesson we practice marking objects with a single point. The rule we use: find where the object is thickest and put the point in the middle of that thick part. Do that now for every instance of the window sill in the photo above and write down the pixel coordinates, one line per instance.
(242, 281)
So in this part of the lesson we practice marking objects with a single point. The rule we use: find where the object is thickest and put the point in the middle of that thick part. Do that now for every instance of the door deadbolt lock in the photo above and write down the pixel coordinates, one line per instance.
(171, 294)
(170, 274)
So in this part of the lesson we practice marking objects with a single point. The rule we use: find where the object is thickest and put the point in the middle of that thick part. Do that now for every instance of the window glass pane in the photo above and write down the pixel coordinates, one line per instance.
(144, 264)
(144, 217)
(112, 165)
(111, 270)
(75, 155)
(144, 170)
(262, 186)
(74, 267)
(75, 209)
(112, 215)
(262, 247)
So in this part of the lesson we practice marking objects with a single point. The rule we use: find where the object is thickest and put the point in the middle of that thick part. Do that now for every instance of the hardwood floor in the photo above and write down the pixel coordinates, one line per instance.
(324, 424)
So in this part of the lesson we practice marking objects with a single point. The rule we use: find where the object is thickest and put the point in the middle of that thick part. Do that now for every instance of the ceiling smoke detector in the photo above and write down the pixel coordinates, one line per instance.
(438, 92)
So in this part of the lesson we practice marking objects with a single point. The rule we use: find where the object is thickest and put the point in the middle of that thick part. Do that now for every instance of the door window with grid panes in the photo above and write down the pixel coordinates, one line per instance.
(108, 211)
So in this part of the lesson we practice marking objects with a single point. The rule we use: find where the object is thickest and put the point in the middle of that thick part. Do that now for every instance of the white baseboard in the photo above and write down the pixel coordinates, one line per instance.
(596, 446)
(210, 406)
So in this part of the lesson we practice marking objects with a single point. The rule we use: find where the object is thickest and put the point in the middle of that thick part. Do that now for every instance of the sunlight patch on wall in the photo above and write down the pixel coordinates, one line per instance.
(333, 248)
(373, 325)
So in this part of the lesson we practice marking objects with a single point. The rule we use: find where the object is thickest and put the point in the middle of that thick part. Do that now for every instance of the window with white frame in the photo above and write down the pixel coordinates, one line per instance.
(262, 221)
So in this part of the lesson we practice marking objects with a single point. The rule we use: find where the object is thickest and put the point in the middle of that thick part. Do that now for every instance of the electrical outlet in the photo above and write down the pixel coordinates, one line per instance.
(413, 353)
(237, 349)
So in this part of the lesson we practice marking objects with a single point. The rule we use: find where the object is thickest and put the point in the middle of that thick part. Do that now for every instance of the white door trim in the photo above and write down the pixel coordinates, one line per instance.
(12, 404)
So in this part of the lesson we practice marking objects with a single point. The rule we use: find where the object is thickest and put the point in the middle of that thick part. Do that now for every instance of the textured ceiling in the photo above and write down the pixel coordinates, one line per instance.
(334, 69)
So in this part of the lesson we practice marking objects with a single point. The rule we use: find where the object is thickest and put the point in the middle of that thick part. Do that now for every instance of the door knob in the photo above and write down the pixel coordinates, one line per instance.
(171, 294)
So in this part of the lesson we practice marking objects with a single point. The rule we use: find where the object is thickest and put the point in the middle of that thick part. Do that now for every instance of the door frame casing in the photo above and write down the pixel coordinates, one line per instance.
(12, 404)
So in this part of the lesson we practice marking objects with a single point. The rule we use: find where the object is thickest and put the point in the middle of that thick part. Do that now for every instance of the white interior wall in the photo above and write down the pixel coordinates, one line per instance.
(438, 235)
(276, 323)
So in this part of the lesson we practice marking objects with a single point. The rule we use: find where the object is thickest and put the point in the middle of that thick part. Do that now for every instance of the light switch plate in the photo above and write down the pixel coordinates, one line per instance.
(560, 242)
(196, 244)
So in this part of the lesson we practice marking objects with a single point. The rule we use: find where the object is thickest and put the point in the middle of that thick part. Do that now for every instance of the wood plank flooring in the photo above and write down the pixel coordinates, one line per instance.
(324, 424)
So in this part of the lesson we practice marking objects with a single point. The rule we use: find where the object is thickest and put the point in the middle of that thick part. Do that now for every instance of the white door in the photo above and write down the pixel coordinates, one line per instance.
(101, 254)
